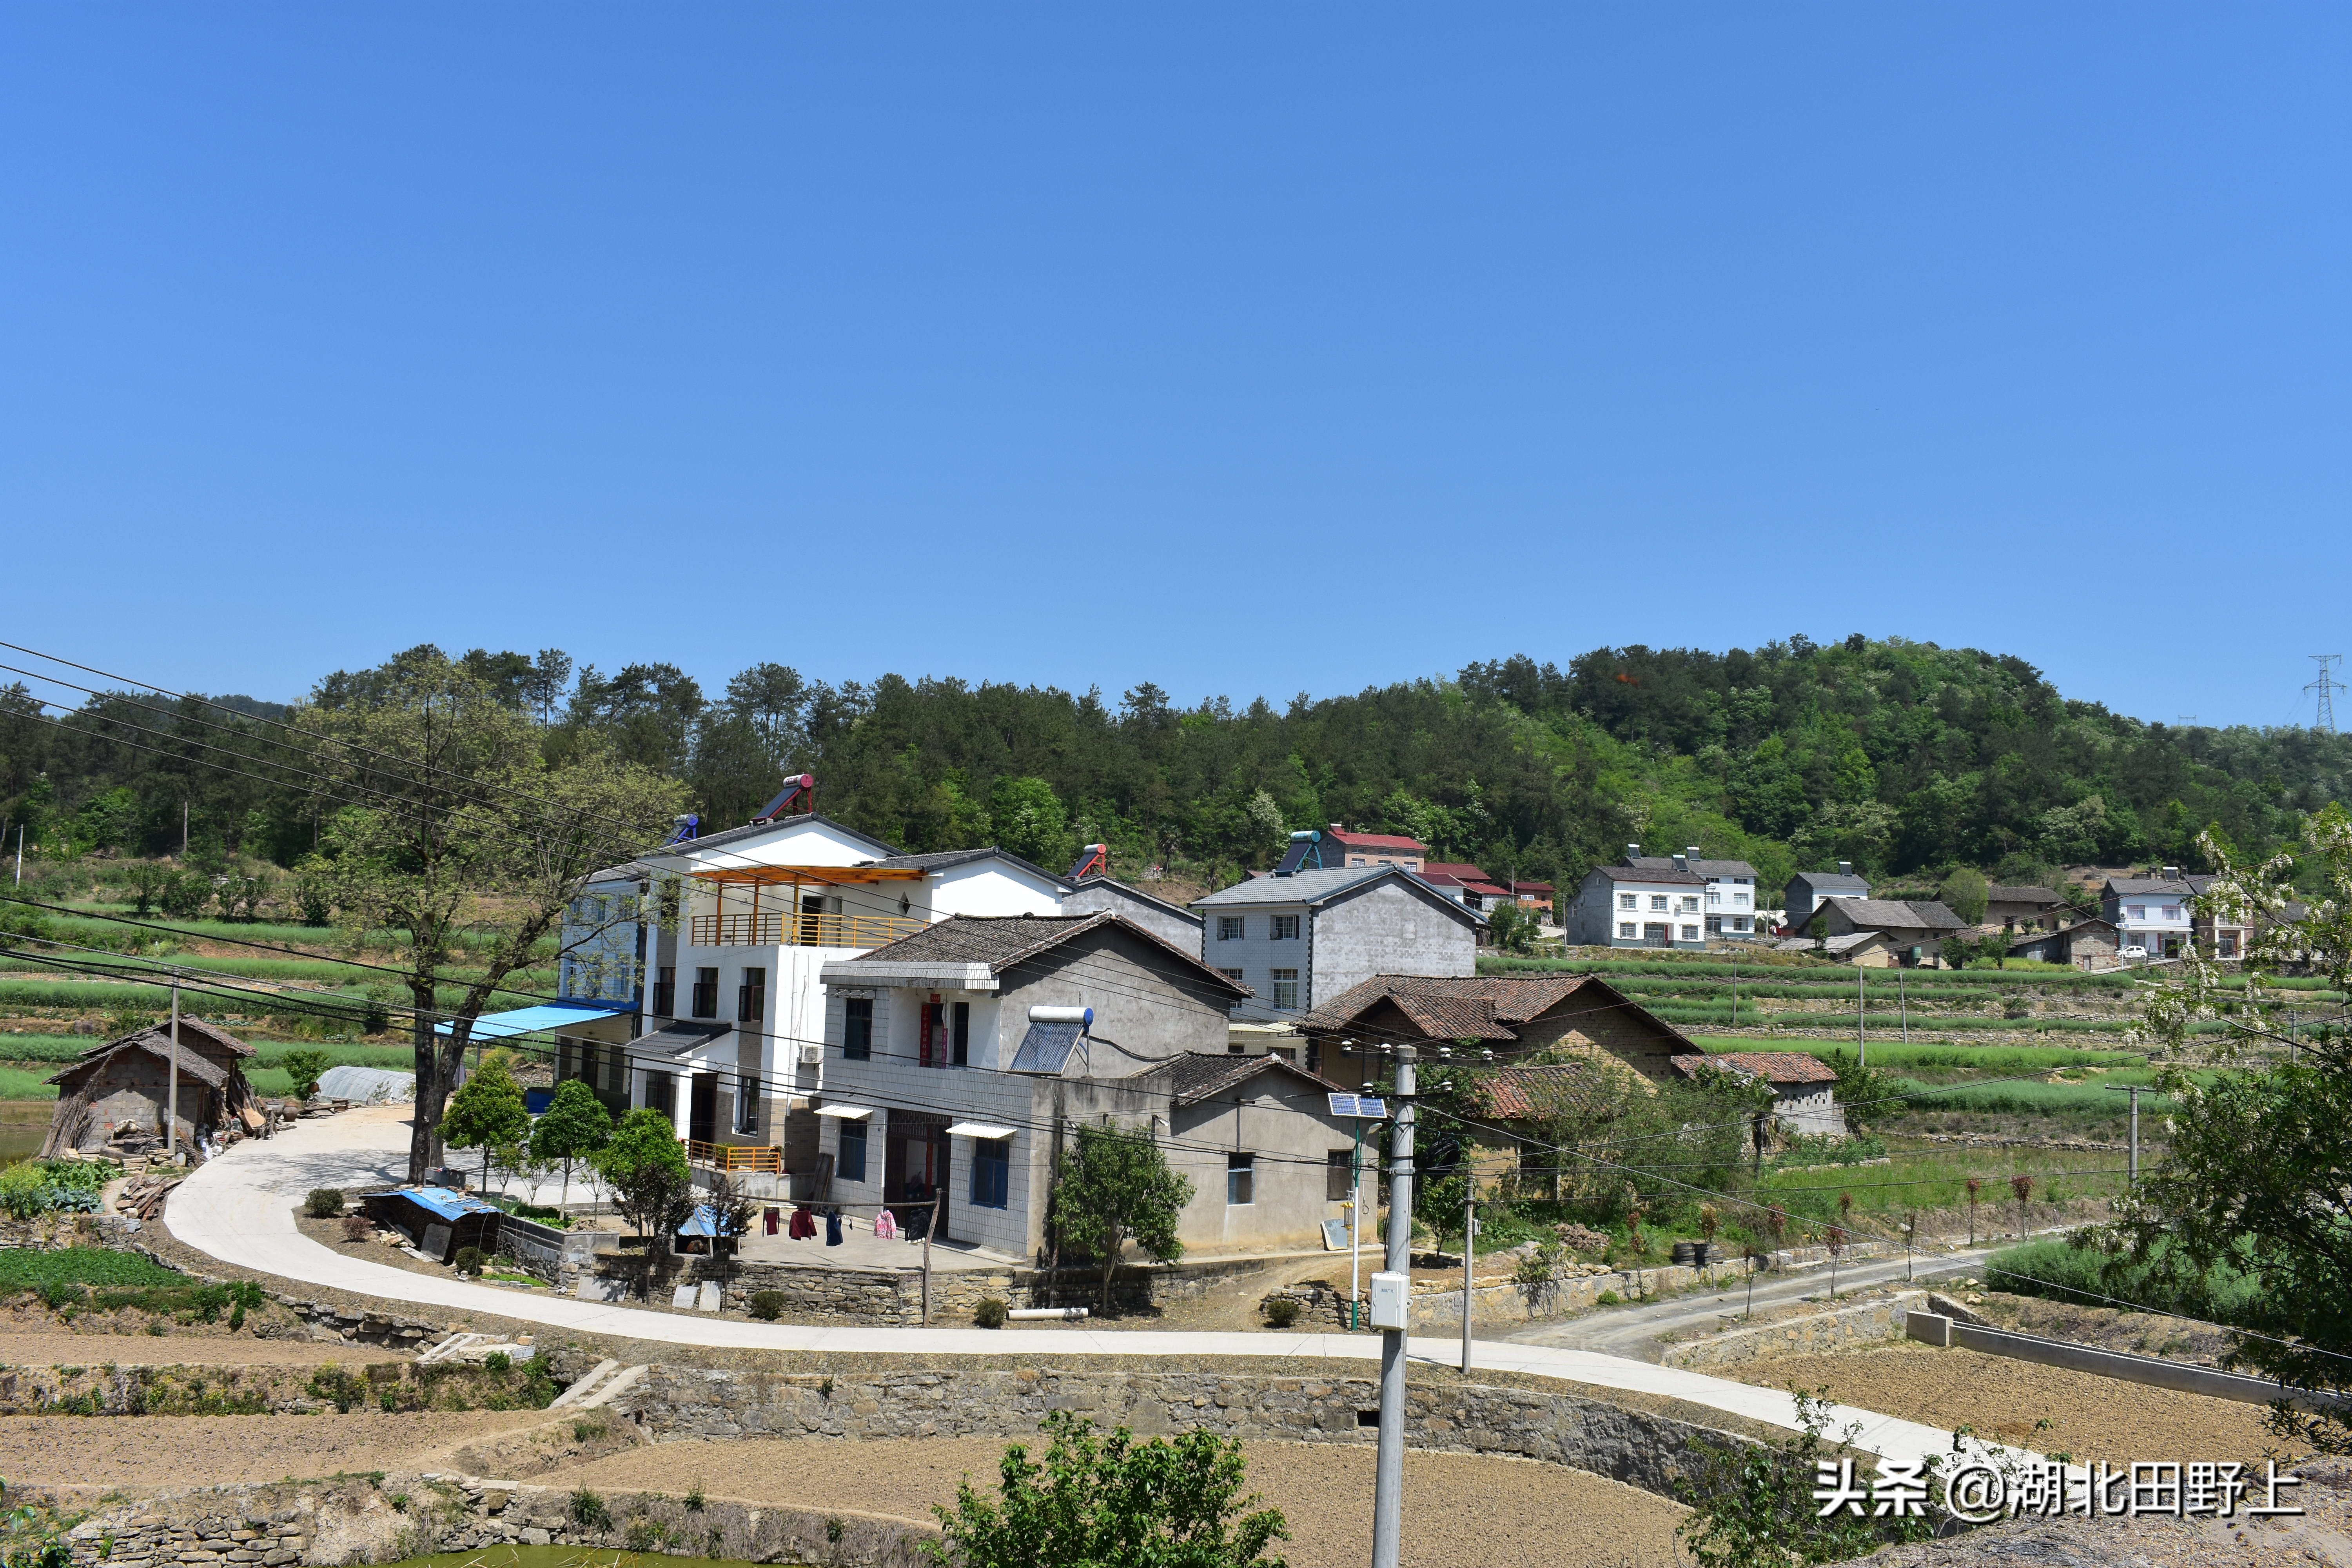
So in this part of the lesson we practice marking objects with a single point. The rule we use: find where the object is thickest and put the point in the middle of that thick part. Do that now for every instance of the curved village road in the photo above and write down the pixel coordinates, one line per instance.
(240, 1209)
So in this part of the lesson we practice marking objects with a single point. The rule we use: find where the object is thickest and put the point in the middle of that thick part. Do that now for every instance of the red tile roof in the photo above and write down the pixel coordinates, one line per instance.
(1377, 841)
(1531, 1094)
(1773, 1066)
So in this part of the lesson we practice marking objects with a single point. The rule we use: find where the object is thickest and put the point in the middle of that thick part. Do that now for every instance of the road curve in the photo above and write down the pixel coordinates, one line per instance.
(239, 1208)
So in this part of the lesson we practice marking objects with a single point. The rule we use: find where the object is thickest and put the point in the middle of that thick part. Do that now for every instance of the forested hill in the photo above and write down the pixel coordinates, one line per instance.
(1901, 756)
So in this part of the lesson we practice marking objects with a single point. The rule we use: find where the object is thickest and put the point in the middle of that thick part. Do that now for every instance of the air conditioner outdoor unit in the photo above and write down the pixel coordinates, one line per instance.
(812, 1055)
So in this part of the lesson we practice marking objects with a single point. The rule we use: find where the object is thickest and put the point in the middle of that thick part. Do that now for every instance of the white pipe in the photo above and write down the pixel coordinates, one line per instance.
(1047, 1312)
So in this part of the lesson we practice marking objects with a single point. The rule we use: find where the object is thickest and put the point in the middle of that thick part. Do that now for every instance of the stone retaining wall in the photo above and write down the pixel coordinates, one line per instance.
(1645, 1450)
(1510, 1305)
(1864, 1323)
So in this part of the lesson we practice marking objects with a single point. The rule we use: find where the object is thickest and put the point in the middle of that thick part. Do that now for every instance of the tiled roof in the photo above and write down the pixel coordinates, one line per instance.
(943, 859)
(1460, 870)
(1453, 1018)
(1704, 867)
(1514, 1000)
(1190, 1077)
(1377, 841)
(1130, 890)
(1001, 941)
(2146, 887)
(1669, 877)
(1317, 886)
(1886, 914)
(1773, 1066)
(1532, 1094)
(2002, 893)
(1830, 881)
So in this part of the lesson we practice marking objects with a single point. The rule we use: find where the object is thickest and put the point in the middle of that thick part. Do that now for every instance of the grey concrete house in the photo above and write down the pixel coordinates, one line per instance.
(1632, 906)
(1171, 923)
(1297, 937)
(1514, 1016)
(2085, 944)
(960, 1058)
(1806, 890)
(2018, 910)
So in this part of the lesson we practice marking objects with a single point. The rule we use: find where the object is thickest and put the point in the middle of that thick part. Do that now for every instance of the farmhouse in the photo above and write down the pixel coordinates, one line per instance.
(126, 1086)
(1803, 1087)
(1512, 1016)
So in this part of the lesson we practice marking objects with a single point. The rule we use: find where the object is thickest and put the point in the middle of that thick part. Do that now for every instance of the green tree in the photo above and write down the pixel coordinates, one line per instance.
(305, 1066)
(1752, 1504)
(573, 1127)
(1115, 1186)
(1097, 1502)
(1028, 819)
(1964, 893)
(2252, 1182)
(463, 829)
(486, 1111)
(651, 1183)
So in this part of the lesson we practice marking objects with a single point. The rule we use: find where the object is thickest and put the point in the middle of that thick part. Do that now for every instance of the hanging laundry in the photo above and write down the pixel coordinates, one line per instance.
(832, 1228)
(804, 1225)
(885, 1226)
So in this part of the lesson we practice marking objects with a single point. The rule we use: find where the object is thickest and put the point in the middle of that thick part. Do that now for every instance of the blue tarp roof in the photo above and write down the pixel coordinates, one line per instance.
(546, 1018)
(442, 1202)
(705, 1222)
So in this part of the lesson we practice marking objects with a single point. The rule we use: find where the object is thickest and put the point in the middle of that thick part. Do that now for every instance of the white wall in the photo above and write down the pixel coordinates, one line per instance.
(992, 887)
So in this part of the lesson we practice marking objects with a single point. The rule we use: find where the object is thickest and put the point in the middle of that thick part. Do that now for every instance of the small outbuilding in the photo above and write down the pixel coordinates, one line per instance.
(121, 1091)
(1803, 1087)
(436, 1220)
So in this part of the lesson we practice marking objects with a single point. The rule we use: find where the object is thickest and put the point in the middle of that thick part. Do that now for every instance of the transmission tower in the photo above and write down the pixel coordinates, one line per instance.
(2326, 686)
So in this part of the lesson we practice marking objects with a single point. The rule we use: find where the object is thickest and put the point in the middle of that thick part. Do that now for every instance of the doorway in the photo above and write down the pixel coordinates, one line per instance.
(915, 1168)
(702, 1109)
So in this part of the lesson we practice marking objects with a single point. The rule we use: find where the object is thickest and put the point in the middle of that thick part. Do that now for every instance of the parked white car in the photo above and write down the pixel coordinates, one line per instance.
(2132, 952)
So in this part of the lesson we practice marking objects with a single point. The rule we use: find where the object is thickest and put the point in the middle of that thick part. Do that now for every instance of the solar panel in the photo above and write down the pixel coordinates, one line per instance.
(1046, 1047)
(1366, 1105)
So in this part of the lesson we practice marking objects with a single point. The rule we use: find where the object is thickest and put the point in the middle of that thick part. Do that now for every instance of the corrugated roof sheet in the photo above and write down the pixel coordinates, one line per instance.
(444, 1203)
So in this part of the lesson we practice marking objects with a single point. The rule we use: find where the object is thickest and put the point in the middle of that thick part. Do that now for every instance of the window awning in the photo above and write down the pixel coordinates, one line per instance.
(548, 1018)
(978, 1130)
(846, 1113)
(682, 1038)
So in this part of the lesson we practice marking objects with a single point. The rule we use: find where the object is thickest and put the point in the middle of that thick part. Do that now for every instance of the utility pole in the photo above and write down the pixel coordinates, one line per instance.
(1861, 1031)
(20, 855)
(171, 1096)
(1388, 1483)
(1902, 1007)
(1469, 1256)
(2132, 1090)
(2326, 686)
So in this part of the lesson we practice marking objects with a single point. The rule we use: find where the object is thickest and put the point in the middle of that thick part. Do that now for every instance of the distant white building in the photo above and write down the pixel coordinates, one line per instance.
(1730, 903)
(1633, 906)
(2152, 912)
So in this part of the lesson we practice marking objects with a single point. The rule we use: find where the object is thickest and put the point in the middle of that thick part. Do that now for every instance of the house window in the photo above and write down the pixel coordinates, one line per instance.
(2172, 911)
(1690, 933)
(2136, 912)
(1658, 903)
(665, 993)
(706, 993)
(1285, 988)
(1241, 1180)
(1625, 928)
(1286, 928)
(1628, 901)
(2226, 944)
(858, 1028)
(850, 1165)
(1739, 923)
(961, 1029)
(661, 1093)
(1232, 974)
(751, 997)
(1738, 900)
(991, 1170)
(1229, 928)
(747, 1104)
(1339, 1175)
(1690, 905)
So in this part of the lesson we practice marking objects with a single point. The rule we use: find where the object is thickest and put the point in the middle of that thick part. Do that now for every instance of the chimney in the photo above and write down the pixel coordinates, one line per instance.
(1632, 853)
(2172, 873)
(1338, 828)
(1692, 853)
(1845, 868)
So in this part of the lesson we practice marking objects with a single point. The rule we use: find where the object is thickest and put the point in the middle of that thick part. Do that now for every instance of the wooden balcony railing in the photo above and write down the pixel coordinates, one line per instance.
(735, 1156)
(774, 928)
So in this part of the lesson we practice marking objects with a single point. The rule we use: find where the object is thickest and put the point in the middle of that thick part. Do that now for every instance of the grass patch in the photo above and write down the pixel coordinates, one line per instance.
(2052, 1269)
(1985, 1058)
(23, 1269)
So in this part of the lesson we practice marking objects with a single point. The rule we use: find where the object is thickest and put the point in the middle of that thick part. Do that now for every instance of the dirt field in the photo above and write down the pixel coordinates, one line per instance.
(207, 1450)
(1498, 1513)
(179, 1350)
(2094, 1417)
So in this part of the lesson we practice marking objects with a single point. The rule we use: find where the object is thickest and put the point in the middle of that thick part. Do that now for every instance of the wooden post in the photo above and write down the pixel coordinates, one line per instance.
(171, 1095)
(930, 1224)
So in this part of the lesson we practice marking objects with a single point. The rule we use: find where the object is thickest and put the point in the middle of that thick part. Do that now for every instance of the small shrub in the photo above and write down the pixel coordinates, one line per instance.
(834, 1530)
(324, 1203)
(768, 1305)
(1607, 1298)
(357, 1227)
(471, 1260)
(1281, 1313)
(399, 1501)
(989, 1313)
(304, 1067)
(497, 1362)
(588, 1430)
(645, 1535)
(695, 1499)
(588, 1511)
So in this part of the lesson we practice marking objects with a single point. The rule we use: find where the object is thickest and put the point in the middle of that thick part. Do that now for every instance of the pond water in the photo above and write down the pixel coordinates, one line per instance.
(21, 1140)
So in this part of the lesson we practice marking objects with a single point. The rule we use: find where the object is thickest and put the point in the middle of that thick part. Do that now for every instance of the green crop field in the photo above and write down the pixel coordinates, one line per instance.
(1979, 1058)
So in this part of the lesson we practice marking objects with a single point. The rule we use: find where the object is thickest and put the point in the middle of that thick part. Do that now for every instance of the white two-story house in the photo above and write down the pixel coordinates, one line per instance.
(2152, 912)
(1728, 903)
(1632, 906)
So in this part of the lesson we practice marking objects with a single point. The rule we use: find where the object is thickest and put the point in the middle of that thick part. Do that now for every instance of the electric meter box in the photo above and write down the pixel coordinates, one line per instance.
(1391, 1292)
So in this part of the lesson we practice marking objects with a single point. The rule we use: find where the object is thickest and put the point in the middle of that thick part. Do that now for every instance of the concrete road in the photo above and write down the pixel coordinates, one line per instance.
(240, 1209)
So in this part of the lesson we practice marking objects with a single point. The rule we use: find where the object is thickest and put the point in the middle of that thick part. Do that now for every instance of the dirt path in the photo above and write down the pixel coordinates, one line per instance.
(1496, 1512)
(2094, 1417)
(210, 1450)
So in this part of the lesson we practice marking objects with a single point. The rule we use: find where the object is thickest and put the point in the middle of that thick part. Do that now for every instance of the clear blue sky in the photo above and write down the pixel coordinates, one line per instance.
(1247, 349)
